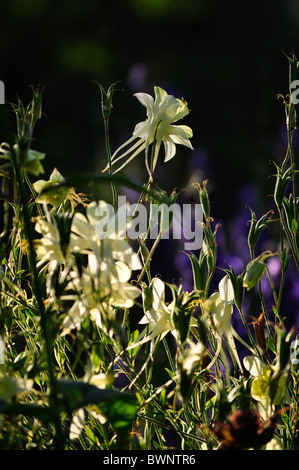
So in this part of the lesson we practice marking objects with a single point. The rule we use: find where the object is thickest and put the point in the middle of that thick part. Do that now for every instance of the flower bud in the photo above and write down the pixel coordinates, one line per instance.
(184, 305)
(255, 269)
(282, 181)
(199, 267)
(36, 104)
(204, 198)
(106, 103)
(147, 294)
(256, 227)
(237, 284)
(258, 325)
(254, 272)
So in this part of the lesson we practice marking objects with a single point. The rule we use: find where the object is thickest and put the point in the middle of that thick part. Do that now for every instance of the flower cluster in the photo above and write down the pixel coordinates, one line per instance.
(114, 355)
(97, 285)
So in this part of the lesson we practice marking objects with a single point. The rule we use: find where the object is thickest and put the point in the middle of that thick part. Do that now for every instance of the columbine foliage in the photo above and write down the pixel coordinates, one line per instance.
(96, 356)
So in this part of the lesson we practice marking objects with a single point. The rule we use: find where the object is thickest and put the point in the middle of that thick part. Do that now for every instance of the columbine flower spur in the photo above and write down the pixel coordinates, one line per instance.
(158, 127)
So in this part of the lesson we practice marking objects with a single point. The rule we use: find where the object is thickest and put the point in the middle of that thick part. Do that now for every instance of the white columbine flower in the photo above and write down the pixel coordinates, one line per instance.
(261, 385)
(162, 113)
(105, 281)
(157, 317)
(219, 307)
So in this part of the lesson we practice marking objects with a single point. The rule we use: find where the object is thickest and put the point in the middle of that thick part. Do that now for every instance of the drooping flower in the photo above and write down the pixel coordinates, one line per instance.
(193, 355)
(157, 314)
(96, 282)
(219, 308)
(99, 290)
(268, 386)
(110, 245)
(53, 191)
(159, 127)
(54, 247)
(104, 282)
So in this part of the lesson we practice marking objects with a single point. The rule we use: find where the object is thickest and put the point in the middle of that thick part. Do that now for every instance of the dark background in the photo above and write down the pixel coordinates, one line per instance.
(225, 58)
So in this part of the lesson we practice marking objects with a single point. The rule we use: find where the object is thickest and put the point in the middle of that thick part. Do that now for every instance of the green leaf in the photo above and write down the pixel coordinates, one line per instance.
(294, 226)
(120, 408)
(43, 413)
(199, 273)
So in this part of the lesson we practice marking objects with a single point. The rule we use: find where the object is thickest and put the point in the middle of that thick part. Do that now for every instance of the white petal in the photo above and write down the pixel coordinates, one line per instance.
(158, 291)
(254, 365)
(77, 424)
(170, 149)
(180, 135)
(123, 271)
(122, 251)
(226, 290)
(160, 94)
(147, 100)
(141, 129)
(181, 112)
(38, 185)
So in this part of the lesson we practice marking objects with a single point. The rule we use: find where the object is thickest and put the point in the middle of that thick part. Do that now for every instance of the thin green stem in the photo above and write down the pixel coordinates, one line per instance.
(293, 246)
(108, 151)
(146, 264)
(39, 298)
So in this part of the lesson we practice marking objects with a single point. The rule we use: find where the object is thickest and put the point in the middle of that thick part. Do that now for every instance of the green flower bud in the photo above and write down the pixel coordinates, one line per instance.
(237, 283)
(147, 294)
(204, 198)
(282, 181)
(256, 227)
(106, 103)
(36, 104)
(254, 272)
(199, 267)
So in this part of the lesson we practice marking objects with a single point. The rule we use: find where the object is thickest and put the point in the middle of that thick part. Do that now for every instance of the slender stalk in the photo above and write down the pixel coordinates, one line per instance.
(292, 244)
(39, 298)
(108, 151)
(153, 249)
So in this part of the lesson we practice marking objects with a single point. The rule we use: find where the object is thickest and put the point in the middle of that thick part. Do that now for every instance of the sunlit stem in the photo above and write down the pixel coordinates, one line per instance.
(146, 264)
(108, 151)
(39, 298)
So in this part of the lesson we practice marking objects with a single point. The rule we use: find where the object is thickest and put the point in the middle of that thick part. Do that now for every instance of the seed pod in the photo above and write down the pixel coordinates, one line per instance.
(254, 272)
(258, 325)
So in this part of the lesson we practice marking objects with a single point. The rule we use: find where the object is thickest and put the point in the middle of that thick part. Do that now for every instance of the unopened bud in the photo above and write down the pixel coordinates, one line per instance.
(204, 198)
(36, 105)
(254, 272)
(106, 102)
(258, 325)
(147, 293)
